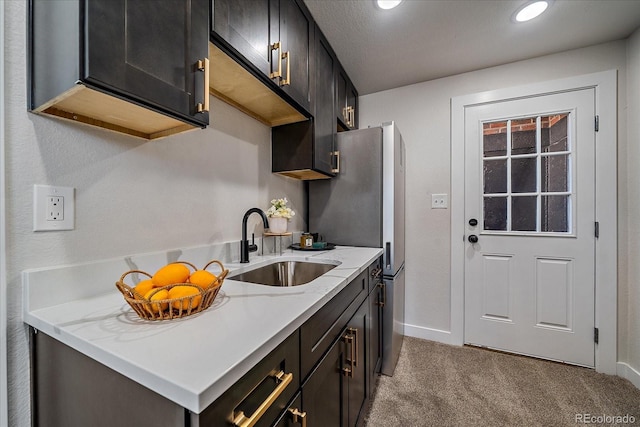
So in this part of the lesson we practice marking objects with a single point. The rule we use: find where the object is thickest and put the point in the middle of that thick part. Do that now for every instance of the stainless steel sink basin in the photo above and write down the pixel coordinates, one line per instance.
(284, 273)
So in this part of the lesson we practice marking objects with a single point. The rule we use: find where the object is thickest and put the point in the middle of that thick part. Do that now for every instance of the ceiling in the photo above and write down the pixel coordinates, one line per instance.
(423, 40)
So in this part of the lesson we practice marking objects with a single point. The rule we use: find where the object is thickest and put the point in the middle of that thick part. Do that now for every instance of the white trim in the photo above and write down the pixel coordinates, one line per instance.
(605, 84)
(428, 334)
(627, 372)
(4, 391)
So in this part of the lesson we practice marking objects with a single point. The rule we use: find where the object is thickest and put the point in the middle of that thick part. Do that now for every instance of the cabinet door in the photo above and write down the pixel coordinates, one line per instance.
(296, 37)
(325, 394)
(147, 51)
(324, 100)
(356, 359)
(245, 25)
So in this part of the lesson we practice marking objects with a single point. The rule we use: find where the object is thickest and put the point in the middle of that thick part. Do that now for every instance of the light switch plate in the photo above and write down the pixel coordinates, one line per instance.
(53, 208)
(439, 201)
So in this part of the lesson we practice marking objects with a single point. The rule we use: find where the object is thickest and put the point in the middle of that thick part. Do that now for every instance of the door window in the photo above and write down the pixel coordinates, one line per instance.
(527, 175)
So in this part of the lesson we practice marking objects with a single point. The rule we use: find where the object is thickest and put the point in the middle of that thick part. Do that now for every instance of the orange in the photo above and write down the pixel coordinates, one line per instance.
(202, 278)
(183, 292)
(142, 288)
(161, 294)
(170, 274)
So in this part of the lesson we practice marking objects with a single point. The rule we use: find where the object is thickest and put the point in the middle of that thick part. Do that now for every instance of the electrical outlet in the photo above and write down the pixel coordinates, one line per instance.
(53, 208)
(439, 201)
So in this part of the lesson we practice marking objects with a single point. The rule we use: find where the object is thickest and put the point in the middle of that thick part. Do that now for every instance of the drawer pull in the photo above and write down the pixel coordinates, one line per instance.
(240, 420)
(298, 417)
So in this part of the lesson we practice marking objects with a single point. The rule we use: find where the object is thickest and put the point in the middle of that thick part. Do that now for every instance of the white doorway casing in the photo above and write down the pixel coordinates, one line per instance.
(604, 84)
(4, 416)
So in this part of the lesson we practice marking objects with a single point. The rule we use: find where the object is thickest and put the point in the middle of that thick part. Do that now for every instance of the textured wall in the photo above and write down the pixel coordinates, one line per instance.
(422, 112)
(132, 196)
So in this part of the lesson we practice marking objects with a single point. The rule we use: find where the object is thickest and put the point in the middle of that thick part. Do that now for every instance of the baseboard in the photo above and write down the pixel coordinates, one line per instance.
(627, 372)
(429, 334)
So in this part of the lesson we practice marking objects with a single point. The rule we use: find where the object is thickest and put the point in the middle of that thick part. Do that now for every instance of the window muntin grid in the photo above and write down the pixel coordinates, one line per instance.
(527, 175)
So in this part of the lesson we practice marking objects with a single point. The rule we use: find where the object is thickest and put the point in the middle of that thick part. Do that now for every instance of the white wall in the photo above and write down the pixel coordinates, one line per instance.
(422, 112)
(132, 196)
(630, 302)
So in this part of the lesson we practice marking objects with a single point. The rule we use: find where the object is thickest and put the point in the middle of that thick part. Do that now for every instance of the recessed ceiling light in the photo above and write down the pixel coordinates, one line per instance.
(531, 10)
(388, 4)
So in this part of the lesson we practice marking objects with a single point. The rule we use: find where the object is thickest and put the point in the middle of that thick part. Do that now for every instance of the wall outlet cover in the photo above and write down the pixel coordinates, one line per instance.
(53, 208)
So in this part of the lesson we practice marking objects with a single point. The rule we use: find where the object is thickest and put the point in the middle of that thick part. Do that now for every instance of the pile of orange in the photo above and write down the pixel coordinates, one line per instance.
(175, 285)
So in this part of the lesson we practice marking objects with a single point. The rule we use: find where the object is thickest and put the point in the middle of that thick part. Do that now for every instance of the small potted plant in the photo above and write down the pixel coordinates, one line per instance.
(279, 215)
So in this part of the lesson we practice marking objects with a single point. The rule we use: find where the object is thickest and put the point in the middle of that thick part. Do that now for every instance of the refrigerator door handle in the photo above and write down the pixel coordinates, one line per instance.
(388, 254)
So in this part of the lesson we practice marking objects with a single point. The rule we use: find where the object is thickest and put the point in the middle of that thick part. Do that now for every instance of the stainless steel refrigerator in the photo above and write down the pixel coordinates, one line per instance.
(364, 205)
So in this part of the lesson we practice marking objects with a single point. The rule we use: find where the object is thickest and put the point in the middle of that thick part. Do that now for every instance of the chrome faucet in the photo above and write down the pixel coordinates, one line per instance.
(245, 247)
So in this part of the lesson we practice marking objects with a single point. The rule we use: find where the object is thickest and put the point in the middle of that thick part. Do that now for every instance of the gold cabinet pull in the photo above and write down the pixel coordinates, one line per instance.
(274, 74)
(351, 112)
(349, 371)
(240, 420)
(298, 417)
(337, 156)
(383, 292)
(203, 65)
(354, 331)
(285, 82)
(345, 115)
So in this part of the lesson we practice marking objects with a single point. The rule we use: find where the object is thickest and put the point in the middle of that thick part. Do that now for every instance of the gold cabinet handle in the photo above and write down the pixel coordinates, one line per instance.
(203, 65)
(337, 156)
(285, 82)
(240, 420)
(354, 331)
(298, 417)
(273, 75)
(349, 371)
(345, 115)
(352, 116)
(383, 292)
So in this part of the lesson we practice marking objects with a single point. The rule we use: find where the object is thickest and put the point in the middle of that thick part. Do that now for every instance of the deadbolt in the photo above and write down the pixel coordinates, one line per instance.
(473, 222)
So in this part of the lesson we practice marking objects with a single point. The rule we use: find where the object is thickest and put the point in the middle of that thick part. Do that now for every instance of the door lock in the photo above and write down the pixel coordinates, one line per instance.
(472, 238)
(473, 222)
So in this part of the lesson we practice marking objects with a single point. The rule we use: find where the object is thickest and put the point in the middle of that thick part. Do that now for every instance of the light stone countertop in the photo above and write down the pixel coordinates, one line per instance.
(192, 360)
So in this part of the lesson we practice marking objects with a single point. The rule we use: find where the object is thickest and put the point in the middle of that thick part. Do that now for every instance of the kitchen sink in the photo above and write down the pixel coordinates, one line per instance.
(284, 273)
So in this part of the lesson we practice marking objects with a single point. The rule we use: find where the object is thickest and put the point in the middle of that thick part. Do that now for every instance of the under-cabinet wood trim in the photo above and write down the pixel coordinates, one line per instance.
(99, 109)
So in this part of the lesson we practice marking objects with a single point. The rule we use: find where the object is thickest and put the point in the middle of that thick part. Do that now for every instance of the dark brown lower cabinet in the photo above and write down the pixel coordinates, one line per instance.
(322, 375)
(336, 392)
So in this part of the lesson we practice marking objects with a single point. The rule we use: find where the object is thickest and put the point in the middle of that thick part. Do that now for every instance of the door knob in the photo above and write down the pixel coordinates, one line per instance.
(473, 222)
(472, 238)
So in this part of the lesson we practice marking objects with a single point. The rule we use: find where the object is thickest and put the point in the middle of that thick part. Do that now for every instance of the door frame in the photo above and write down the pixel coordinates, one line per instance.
(4, 391)
(606, 280)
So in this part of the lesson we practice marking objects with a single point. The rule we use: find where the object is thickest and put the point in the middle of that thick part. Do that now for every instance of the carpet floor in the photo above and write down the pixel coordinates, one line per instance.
(441, 385)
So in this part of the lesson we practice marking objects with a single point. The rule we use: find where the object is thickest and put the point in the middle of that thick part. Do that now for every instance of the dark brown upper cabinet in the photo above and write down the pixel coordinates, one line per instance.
(306, 150)
(137, 67)
(346, 101)
(261, 53)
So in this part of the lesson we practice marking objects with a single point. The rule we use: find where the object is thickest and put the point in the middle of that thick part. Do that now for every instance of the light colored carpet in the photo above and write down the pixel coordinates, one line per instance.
(441, 385)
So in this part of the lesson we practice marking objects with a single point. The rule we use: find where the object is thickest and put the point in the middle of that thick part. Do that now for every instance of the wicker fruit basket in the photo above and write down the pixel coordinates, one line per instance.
(151, 308)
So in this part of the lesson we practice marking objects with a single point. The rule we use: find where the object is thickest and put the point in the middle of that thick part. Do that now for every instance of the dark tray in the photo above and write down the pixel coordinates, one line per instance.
(296, 247)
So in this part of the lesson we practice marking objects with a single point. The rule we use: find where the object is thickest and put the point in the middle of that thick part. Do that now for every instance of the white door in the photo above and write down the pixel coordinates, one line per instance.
(530, 212)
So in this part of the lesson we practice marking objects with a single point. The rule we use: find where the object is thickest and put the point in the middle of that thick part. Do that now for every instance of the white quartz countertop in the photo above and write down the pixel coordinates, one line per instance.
(192, 360)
